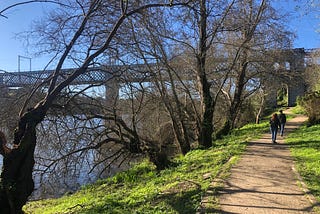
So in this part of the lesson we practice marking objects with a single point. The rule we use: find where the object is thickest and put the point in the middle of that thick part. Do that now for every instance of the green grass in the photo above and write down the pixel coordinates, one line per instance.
(305, 148)
(179, 189)
(142, 189)
(298, 110)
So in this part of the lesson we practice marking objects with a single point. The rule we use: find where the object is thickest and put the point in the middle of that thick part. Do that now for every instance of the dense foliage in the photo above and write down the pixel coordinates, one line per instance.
(311, 102)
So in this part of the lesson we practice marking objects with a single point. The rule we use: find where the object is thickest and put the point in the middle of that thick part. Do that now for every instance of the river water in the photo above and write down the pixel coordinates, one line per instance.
(61, 136)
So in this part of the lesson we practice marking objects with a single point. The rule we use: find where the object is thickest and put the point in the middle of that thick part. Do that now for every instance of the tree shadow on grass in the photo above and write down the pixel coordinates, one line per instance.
(184, 199)
(184, 202)
(315, 144)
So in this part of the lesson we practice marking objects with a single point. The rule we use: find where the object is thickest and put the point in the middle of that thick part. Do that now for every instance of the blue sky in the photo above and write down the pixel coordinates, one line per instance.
(20, 19)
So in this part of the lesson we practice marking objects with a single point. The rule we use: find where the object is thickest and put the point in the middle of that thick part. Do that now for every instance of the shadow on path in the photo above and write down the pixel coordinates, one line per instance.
(263, 180)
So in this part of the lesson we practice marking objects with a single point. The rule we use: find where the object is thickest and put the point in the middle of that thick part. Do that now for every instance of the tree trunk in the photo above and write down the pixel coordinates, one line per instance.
(181, 135)
(16, 177)
(206, 126)
(206, 129)
(224, 130)
(258, 116)
(234, 107)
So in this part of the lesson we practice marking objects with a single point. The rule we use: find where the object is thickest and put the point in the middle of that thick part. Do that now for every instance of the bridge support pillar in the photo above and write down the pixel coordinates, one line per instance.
(112, 92)
(4, 91)
(298, 89)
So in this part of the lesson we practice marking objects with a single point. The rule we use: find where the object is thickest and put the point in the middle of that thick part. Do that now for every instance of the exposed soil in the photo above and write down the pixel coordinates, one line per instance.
(264, 180)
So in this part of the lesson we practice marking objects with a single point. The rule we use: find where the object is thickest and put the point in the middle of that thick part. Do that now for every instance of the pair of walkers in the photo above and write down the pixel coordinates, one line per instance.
(275, 123)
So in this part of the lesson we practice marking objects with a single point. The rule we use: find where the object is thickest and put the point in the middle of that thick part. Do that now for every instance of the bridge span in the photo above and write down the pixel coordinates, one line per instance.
(291, 60)
(93, 75)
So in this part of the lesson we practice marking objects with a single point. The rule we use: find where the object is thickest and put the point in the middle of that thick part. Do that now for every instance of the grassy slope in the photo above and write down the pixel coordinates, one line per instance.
(179, 189)
(305, 148)
(143, 190)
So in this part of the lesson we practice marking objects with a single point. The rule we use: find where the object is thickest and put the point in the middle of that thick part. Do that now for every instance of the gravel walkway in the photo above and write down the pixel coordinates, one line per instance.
(264, 180)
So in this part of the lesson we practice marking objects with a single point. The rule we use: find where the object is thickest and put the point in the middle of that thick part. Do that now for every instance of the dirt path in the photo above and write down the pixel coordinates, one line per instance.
(264, 180)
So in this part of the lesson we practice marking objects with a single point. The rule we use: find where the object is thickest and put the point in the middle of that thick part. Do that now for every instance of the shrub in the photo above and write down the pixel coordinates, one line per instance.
(311, 102)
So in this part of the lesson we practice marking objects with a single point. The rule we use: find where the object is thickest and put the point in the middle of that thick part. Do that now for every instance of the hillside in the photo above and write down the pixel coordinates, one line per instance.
(180, 188)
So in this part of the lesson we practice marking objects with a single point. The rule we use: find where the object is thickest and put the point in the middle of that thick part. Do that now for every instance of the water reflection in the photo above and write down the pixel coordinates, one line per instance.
(66, 157)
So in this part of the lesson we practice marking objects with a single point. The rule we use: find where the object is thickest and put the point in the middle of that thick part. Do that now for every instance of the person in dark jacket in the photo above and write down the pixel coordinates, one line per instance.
(283, 120)
(274, 125)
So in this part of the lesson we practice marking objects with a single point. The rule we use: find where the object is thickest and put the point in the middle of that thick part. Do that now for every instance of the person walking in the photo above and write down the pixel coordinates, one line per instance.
(274, 125)
(283, 120)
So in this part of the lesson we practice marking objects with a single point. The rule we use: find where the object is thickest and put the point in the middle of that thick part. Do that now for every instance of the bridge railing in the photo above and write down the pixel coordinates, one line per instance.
(137, 72)
(29, 78)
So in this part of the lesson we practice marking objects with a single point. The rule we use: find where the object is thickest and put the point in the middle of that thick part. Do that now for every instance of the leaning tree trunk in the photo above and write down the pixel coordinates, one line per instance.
(16, 177)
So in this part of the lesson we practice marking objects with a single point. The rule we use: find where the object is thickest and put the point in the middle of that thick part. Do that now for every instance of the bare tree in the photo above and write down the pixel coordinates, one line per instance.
(313, 70)
(151, 46)
(251, 36)
(73, 40)
(246, 30)
(182, 53)
(156, 55)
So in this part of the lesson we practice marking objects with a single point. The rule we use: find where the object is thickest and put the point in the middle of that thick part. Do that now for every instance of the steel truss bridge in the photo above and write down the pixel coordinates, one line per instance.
(93, 75)
(102, 74)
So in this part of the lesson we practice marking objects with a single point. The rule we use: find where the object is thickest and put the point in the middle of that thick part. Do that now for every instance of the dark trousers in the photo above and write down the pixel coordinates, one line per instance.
(282, 128)
(274, 131)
